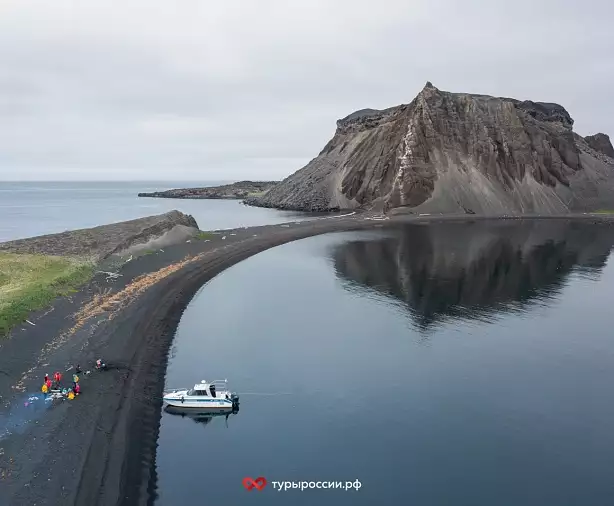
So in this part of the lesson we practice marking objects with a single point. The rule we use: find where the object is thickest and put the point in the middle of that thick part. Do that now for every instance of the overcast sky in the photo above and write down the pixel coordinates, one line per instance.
(206, 90)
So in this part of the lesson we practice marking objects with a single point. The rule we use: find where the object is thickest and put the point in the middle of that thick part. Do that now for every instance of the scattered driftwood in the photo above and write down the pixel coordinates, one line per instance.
(110, 275)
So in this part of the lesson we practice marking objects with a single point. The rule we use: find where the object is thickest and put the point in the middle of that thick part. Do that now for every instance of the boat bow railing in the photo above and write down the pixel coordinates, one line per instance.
(220, 384)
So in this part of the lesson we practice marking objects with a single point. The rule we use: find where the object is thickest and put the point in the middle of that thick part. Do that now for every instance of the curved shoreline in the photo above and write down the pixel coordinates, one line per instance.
(104, 445)
(137, 475)
(138, 470)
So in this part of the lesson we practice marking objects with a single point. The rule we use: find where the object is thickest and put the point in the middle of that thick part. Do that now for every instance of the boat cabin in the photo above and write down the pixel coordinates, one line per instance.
(204, 389)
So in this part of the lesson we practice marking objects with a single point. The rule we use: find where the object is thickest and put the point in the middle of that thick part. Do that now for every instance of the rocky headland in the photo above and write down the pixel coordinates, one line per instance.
(98, 243)
(238, 190)
(454, 152)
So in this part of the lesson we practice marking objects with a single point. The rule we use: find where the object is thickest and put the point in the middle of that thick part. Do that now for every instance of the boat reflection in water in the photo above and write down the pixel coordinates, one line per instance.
(203, 416)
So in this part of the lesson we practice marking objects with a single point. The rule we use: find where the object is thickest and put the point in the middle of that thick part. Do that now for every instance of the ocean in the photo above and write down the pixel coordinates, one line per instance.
(30, 209)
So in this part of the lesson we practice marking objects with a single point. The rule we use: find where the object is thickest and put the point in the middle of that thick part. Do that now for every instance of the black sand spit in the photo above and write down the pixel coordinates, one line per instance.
(99, 450)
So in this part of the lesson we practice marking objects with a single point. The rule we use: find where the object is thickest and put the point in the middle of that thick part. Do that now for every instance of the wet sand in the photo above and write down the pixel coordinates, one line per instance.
(100, 448)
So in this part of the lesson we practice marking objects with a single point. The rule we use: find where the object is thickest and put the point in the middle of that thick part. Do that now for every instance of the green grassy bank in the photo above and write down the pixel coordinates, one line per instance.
(31, 282)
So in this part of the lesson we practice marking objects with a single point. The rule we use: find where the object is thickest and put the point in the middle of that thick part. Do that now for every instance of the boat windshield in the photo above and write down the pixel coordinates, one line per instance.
(193, 391)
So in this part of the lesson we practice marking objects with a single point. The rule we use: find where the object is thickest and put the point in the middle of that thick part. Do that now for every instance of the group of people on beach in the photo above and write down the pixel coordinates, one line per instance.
(55, 386)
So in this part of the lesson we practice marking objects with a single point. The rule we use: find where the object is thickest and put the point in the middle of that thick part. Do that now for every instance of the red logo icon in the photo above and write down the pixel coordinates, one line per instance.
(259, 483)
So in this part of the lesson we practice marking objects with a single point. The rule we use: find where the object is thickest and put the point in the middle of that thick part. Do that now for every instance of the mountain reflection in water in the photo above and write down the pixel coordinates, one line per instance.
(472, 271)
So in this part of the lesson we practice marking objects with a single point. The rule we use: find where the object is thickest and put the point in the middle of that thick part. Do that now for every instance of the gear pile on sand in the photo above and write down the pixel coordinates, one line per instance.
(53, 389)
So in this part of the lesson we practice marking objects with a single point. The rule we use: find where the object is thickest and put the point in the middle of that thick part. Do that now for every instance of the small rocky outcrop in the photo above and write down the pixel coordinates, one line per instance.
(601, 142)
(98, 243)
(453, 153)
(239, 190)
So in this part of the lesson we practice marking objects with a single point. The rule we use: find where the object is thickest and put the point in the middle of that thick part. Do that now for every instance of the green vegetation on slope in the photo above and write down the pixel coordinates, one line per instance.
(31, 282)
(200, 235)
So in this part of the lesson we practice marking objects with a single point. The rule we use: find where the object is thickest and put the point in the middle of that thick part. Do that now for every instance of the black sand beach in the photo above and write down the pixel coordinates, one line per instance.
(100, 448)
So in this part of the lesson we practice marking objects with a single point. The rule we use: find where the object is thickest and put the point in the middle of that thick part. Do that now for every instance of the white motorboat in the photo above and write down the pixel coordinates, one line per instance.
(204, 395)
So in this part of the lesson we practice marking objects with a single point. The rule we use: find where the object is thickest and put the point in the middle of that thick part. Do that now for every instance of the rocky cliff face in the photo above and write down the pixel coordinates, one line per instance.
(454, 152)
(601, 143)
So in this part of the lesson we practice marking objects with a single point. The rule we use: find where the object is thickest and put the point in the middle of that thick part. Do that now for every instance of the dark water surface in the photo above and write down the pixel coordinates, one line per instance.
(437, 364)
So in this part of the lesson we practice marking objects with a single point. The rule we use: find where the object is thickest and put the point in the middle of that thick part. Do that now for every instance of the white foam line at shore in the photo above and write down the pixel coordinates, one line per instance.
(340, 215)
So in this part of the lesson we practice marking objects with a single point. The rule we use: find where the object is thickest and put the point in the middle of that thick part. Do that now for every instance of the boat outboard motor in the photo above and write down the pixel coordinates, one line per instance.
(235, 401)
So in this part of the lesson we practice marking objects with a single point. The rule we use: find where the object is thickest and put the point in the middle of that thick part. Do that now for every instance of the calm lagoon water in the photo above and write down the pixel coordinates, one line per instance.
(438, 365)
(30, 209)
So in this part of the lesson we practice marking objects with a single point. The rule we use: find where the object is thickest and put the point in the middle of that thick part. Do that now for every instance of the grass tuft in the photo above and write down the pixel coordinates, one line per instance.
(203, 235)
(31, 282)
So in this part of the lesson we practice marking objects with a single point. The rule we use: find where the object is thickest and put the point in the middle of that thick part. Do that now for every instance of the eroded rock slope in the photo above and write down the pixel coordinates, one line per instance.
(455, 152)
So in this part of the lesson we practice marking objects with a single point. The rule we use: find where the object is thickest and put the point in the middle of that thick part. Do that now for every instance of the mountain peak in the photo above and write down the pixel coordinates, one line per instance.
(451, 152)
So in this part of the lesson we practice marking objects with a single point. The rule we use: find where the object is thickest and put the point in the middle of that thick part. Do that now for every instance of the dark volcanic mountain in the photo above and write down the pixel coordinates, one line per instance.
(455, 152)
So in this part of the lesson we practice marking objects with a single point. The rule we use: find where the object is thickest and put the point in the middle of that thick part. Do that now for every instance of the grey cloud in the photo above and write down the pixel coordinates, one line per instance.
(203, 90)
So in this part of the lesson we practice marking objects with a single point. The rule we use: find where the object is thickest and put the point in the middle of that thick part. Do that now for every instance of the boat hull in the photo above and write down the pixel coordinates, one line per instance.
(200, 403)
